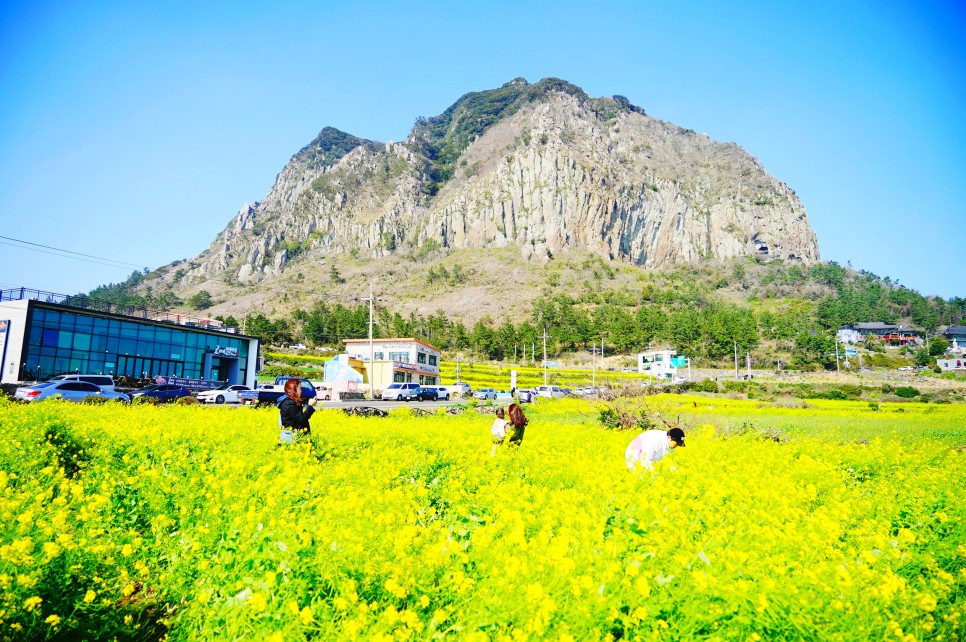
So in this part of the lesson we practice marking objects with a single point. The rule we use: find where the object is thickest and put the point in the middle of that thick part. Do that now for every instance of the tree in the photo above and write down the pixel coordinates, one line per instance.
(200, 300)
(938, 346)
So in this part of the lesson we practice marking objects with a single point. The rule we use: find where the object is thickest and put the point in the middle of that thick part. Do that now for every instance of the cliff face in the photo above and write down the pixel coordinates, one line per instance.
(547, 170)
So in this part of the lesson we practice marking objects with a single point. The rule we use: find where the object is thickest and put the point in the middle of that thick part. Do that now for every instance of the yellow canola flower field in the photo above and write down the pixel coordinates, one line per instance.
(190, 523)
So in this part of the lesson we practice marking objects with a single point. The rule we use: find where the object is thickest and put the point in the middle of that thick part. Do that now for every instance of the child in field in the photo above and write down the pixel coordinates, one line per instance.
(498, 430)
(651, 446)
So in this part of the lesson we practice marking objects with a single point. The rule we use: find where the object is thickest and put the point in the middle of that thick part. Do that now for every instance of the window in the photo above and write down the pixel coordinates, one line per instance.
(421, 358)
(402, 357)
(378, 356)
(432, 359)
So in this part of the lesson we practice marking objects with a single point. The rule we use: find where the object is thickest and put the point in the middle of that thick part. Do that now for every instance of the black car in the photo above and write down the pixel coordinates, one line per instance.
(420, 394)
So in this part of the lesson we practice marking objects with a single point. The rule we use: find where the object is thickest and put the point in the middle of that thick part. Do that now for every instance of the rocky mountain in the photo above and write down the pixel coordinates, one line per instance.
(537, 168)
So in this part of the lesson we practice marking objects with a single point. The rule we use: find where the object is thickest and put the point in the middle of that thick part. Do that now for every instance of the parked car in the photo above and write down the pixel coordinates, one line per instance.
(525, 396)
(552, 392)
(421, 394)
(104, 382)
(227, 393)
(396, 391)
(324, 392)
(68, 390)
(485, 393)
(503, 395)
(442, 392)
(460, 388)
(162, 391)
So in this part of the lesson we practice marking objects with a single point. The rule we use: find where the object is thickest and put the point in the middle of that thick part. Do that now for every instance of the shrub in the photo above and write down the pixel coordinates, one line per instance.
(144, 400)
(94, 400)
(906, 392)
(286, 371)
(186, 401)
(707, 385)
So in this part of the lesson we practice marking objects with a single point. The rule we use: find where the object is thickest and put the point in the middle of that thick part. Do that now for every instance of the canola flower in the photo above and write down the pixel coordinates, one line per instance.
(133, 522)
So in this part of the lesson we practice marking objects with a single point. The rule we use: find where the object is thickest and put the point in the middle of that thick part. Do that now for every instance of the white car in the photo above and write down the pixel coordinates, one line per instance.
(442, 391)
(224, 394)
(323, 392)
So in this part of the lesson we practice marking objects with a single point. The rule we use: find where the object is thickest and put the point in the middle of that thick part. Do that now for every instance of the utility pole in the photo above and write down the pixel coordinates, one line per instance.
(458, 369)
(545, 356)
(371, 299)
(748, 363)
(736, 361)
(837, 370)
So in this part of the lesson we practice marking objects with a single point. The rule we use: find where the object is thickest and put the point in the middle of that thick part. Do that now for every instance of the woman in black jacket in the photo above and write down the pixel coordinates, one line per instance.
(294, 412)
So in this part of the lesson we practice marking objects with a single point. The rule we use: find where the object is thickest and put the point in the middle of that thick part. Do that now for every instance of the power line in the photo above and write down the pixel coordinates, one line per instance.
(89, 227)
(97, 259)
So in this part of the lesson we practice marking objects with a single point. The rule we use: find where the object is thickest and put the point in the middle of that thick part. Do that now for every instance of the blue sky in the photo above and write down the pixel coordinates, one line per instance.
(135, 131)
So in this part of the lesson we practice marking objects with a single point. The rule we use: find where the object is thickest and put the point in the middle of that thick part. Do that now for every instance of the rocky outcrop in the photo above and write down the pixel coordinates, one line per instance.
(559, 172)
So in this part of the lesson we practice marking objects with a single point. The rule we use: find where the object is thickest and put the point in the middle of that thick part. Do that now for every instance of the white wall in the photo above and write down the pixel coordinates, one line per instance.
(16, 313)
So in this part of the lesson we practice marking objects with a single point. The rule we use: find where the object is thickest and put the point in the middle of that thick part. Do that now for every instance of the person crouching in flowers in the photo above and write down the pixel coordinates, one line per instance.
(651, 446)
(294, 412)
(498, 430)
(518, 421)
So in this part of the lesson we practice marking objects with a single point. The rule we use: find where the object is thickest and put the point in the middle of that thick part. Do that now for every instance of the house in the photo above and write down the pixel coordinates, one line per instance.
(957, 338)
(952, 365)
(660, 364)
(895, 335)
(398, 360)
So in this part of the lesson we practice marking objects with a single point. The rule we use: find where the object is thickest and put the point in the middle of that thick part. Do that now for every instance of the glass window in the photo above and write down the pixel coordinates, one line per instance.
(114, 328)
(65, 339)
(39, 315)
(378, 356)
(98, 342)
(145, 333)
(101, 325)
(36, 334)
(50, 337)
(84, 322)
(421, 357)
(432, 361)
(127, 346)
(82, 341)
(53, 318)
(399, 356)
(129, 331)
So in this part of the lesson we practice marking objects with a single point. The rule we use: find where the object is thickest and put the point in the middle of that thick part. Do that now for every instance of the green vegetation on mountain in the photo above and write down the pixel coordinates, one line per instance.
(329, 146)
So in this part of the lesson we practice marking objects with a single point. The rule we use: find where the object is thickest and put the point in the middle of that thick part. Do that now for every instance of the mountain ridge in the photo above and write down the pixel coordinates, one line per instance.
(540, 167)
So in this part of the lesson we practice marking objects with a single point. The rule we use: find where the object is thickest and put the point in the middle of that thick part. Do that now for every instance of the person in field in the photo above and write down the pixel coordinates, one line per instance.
(498, 430)
(518, 422)
(294, 412)
(651, 446)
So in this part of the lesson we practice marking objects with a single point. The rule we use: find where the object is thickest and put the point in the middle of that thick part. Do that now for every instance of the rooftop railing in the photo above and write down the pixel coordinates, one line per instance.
(84, 302)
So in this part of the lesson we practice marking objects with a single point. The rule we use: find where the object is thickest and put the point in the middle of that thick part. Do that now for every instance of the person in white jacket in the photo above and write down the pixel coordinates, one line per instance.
(651, 446)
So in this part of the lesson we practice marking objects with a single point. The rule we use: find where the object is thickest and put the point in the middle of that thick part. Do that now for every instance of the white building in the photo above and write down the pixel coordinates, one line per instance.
(395, 360)
(661, 364)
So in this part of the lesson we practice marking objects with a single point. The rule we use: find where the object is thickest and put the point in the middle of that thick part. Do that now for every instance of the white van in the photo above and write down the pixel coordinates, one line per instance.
(460, 388)
(396, 391)
(104, 382)
(553, 392)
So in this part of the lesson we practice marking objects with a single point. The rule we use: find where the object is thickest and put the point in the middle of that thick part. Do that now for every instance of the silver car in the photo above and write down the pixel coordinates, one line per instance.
(75, 391)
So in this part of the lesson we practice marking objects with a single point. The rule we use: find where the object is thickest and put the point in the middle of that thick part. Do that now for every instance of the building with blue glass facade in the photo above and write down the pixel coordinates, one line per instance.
(43, 334)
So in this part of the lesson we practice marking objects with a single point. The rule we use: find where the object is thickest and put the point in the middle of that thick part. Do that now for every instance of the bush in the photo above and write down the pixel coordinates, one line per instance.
(707, 385)
(94, 400)
(186, 401)
(144, 400)
(906, 392)
(286, 371)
